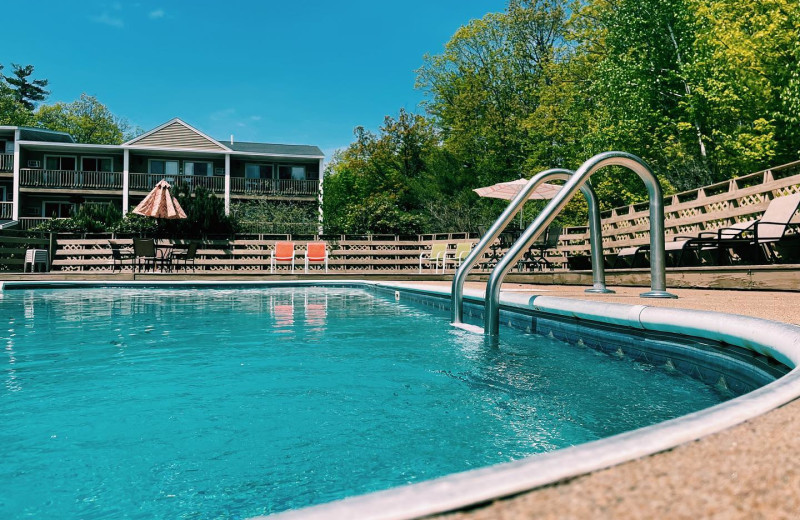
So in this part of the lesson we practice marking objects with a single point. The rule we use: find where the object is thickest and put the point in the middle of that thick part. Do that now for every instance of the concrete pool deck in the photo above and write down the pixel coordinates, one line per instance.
(747, 471)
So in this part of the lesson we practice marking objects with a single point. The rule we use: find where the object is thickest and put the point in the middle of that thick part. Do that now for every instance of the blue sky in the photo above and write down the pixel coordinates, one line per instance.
(290, 71)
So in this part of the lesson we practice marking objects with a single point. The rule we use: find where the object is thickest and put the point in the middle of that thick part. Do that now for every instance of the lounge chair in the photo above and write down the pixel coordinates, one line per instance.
(436, 255)
(317, 252)
(752, 240)
(183, 257)
(119, 255)
(283, 252)
(144, 252)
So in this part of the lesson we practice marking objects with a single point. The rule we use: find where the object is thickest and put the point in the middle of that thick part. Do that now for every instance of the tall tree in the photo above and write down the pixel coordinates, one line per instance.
(86, 119)
(27, 92)
(369, 186)
(489, 79)
(12, 112)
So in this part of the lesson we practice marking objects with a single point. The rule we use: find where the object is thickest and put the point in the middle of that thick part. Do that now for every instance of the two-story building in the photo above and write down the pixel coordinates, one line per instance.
(44, 174)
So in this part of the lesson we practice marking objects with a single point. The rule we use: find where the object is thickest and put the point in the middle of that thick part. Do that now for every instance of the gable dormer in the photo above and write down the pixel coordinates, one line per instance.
(176, 134)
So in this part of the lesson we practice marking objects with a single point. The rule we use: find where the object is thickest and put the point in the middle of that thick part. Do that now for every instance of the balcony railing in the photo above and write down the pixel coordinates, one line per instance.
(288, 187)
(68, 179)
(6, 162)
(5, 210)
(146, 181)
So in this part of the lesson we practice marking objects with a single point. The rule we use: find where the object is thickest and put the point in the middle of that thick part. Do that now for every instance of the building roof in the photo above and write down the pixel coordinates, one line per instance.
(277, 149)
(41, 134)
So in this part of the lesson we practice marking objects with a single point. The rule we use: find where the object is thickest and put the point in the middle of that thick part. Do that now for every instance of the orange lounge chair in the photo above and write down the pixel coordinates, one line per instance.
(283, 252)
(317, 252)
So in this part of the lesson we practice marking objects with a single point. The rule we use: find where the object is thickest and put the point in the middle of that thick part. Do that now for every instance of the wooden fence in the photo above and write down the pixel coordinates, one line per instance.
(686, 213)
(13, 245)
(364, 254)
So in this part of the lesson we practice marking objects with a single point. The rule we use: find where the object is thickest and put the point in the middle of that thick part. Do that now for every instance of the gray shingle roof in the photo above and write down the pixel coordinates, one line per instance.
(280, 149)
(37, 134)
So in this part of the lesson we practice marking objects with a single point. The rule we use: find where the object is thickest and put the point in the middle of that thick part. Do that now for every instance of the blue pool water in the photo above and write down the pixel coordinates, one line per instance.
(195, 404)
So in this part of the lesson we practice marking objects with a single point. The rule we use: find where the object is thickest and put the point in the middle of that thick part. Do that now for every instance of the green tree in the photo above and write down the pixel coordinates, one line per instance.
(370, 186)
(12, 112)
(488, 80)
(743, 65)
(27, 92)
(86, 119)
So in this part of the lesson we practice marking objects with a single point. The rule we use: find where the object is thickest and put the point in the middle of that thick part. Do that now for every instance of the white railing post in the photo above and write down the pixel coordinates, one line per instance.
(15, 187)
(126, 162)
(320, 197)
(227, 184)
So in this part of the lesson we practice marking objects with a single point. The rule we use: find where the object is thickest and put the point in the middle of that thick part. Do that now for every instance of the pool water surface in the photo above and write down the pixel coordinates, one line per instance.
(230, 403)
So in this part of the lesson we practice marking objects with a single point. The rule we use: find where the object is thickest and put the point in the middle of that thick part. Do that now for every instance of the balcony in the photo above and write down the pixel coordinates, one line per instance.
(68, 179)
(5, 210)
(6, 162)
(146, 181)
(275, 187)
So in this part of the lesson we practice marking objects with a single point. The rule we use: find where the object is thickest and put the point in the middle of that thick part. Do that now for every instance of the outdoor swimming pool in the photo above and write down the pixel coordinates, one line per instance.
(229, 403)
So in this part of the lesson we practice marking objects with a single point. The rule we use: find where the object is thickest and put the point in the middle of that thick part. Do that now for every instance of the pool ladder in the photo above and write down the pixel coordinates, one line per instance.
(578, 180)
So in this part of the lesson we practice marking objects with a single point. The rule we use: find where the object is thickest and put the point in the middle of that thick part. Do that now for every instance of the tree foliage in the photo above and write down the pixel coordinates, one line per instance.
(26, 92)
(86, 119)
(12, 112)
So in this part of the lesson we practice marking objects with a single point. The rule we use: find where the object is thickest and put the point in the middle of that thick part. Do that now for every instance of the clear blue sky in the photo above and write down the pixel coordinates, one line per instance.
(302, 72)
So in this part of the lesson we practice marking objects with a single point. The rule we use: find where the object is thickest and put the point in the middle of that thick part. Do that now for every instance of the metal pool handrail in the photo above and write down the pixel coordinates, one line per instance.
(658, 274)
(595, 238)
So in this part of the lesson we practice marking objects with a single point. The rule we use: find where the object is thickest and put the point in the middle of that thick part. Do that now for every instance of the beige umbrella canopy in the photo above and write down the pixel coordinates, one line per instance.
(160, 204)
(509, 190)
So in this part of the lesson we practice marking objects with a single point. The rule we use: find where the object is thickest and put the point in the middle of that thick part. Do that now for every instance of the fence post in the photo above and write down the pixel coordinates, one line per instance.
(51, 250)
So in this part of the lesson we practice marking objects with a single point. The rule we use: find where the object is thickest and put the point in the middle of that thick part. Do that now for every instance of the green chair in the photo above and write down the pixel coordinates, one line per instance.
(461, 253)
(436, 255)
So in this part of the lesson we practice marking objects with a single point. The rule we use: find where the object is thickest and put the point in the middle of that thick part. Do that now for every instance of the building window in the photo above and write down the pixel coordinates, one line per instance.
(286, 171)
(198, 168)
(60, 162)
(163, 167)
(96, 164)
(258, 171)
(57, 209)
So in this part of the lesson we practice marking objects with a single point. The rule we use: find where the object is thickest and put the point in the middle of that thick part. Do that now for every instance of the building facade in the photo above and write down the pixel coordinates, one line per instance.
(45, 174)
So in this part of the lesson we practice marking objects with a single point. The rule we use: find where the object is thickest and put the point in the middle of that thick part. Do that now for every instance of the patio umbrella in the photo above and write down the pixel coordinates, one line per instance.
(508, 190)
(160, 204)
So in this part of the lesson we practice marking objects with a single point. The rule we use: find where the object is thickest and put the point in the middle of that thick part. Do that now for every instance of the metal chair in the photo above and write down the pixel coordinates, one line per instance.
(186, 256)
(283, 252)
(144, 252)
(119, 255)
(317, 252)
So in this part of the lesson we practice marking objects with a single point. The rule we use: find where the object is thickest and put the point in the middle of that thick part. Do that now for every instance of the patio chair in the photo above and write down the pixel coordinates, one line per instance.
(120, 255)
(461, 253)
(752, 240)
(144, 252)
(34, 258)
(283, 252)
(436, 255)
(183, 257)
(317, 252)
(536, 254)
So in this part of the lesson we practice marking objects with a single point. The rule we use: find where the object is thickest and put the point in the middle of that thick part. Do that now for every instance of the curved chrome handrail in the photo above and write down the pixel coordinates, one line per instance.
(658, 273)
(595, 238)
